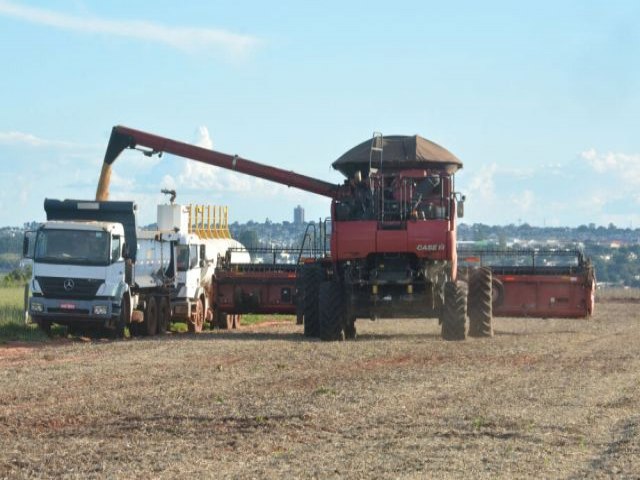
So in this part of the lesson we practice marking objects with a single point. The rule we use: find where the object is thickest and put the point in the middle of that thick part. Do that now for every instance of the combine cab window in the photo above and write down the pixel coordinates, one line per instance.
(78, 247)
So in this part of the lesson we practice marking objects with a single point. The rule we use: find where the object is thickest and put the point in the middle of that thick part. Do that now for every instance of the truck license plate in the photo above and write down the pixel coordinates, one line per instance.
(68, 306)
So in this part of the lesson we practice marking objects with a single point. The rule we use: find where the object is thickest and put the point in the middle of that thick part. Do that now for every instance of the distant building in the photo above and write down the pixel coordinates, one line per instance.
(298, 215)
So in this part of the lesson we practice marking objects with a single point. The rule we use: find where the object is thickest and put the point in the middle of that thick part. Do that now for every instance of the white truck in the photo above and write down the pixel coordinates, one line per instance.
(197, 255)
(92, 269)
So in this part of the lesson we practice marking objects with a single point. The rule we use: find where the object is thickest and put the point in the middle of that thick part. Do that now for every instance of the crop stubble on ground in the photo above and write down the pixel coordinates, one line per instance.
(544, 399)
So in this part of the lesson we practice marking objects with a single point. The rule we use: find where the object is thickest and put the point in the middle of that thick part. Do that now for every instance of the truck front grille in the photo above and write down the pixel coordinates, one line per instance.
(60, 287)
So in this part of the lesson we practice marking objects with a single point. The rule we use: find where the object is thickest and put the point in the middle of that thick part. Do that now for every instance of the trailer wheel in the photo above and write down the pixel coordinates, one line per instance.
(454, 314)
(332, 311)
(164, 315)
(150, 323)
(312, 276)
(224, 321)
(196, 322)
(480, 303)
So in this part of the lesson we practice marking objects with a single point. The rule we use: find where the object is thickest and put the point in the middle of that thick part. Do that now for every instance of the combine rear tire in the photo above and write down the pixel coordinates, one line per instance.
(164, 315)
(480, 303)
(454, 314)
(312, 276)
(332, 311)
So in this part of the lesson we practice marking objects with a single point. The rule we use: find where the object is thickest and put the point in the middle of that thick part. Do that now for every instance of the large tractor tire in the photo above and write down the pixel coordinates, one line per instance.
(332, 311)
(454, 314)
(312, 277)
(480, 303)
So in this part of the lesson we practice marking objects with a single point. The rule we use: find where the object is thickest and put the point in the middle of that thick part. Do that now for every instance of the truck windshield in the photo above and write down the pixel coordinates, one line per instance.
(83, 247)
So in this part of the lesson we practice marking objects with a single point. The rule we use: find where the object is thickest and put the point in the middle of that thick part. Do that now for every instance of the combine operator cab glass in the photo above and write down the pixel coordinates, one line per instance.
(77, 247)
(429, 201)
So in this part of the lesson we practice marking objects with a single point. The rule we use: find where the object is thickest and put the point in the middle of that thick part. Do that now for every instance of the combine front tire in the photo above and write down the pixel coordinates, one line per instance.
(454, 314)
(332, 312)
(480, 303)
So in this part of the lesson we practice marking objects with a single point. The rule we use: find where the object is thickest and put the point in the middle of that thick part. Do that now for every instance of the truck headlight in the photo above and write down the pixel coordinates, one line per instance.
(37, 307)
(100, 309)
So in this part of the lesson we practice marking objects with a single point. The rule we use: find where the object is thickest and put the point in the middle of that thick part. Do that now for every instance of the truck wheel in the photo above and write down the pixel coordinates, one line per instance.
(332, 311)
(196, 322)
(122, 320)
(44, 325)
(312, 276)
(454, 313)
(164, 315)
(150, 324)
(480, 306)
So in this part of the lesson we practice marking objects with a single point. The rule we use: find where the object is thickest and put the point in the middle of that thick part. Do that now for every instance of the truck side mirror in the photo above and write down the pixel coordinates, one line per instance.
(27, 247)
(460, 208)
(125, 250)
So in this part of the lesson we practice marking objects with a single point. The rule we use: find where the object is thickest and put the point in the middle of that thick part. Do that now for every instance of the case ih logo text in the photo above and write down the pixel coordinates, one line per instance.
(68, 284)
(430, 247)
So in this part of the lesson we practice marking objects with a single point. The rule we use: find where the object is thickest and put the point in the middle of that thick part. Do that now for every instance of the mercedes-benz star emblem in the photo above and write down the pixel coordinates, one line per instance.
(68, 284)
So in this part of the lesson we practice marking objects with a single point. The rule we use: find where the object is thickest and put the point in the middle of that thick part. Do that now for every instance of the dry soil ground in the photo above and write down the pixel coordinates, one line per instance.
(543, 399)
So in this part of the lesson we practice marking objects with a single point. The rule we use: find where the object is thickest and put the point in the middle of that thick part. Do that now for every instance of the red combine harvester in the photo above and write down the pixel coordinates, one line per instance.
(536, 283)
(393, 235)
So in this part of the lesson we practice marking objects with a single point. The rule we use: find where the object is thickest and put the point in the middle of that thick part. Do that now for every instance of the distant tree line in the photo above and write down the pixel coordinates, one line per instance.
(615, 252)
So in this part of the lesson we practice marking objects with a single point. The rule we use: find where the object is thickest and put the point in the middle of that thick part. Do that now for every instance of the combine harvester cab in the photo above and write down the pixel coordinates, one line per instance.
(539, 283)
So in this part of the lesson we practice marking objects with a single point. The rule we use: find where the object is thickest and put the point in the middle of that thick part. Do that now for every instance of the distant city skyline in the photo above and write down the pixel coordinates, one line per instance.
(539, 100)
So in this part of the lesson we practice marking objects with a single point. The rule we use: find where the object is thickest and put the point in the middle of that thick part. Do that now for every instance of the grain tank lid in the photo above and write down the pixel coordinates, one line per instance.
(105, 211)
(399, 152)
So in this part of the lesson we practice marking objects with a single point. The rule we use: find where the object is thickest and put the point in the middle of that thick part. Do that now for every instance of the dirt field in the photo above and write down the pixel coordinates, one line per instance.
(543, 399)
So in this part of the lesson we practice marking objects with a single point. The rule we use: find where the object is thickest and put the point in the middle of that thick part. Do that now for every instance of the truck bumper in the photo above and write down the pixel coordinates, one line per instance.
(61, 310)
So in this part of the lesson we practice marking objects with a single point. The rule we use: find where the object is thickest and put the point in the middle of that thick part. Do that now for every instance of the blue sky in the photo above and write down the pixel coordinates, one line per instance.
(540, 100)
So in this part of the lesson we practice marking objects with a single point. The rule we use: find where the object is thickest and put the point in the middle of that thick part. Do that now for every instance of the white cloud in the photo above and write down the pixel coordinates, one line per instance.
(187, 39)
(625, 166)
(30, 140)
(523, 201)
(482, 186)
